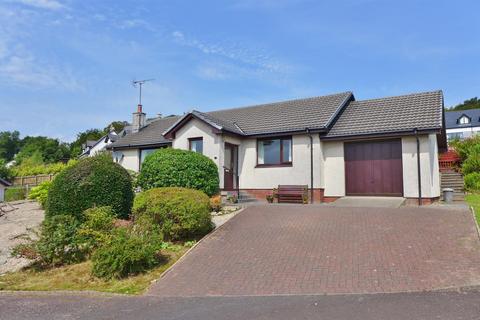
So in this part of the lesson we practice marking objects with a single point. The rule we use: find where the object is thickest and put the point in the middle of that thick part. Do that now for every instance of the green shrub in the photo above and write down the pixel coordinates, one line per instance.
(95, 181)
(25, 250)
(126, 254)
(59, 243)
(465, 147)
(180, 213)
(97, 227)
(40, 193)
(15, 194)
(472, 162)
(27, 168)
(472, 181)
(179, 168)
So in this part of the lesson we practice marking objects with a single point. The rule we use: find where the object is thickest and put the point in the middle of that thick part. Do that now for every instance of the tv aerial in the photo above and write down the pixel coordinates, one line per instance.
(140, 83)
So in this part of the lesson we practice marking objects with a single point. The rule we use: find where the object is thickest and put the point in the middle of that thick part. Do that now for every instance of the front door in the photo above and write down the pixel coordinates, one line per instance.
(229, 167)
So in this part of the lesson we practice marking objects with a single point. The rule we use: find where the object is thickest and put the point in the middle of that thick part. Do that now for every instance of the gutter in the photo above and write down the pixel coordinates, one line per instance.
(138, 146)
(385, 134)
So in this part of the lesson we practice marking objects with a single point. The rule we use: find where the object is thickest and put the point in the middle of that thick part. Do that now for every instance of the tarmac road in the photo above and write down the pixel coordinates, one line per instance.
(427, 305)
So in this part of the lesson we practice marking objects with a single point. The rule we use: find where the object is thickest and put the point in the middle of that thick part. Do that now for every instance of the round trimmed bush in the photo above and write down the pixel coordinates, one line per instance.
(181, 214)
(96, 181)
(179, 168)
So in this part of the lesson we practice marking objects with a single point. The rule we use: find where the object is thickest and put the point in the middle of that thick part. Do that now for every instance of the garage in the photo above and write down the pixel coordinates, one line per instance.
(374, 168)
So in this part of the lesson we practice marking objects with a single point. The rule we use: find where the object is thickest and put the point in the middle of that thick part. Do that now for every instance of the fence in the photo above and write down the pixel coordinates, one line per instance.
(32, 180)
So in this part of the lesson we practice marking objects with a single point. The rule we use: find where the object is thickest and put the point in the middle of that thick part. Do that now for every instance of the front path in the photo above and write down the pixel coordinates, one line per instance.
(283, 250)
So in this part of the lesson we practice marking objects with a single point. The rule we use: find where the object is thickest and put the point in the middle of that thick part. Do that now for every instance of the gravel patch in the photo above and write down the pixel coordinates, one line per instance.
(15, 227)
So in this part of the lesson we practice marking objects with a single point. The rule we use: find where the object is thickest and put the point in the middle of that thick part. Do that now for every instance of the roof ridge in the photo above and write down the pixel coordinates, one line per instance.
(400, 96)
(461, 111)
(278, 102)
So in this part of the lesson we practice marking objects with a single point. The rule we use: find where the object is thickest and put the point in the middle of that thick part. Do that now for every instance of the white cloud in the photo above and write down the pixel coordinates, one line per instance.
(25, 70)
(251, 57)
(133, 23)
(265, 4)
(43, 4)
(19, 65)
(209, 72)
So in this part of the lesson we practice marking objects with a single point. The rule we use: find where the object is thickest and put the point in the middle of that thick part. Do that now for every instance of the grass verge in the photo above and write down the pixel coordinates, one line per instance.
(78, 277)
(474, 201)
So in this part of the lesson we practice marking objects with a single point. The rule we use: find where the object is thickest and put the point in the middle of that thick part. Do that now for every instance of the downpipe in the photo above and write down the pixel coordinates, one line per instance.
(419, 173)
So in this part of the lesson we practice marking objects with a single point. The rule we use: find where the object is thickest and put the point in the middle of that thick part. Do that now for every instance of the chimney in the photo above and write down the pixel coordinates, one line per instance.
(138, 119)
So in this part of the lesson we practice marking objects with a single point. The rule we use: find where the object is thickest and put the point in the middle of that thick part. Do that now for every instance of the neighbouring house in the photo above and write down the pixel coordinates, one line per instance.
(462, 124)
(3, 184)
(336, 145)
(93, 147)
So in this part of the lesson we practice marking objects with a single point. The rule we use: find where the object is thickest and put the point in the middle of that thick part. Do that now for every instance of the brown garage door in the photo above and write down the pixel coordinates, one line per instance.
(374, 168)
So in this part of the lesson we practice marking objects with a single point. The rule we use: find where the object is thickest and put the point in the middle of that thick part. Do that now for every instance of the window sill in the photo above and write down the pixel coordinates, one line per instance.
(273, 165)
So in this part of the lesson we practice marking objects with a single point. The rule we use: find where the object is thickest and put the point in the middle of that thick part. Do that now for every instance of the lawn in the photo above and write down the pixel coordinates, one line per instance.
(474, 201)
(79, 277)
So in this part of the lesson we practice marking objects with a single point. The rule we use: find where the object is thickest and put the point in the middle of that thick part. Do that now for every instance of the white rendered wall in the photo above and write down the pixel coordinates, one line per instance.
(334, 169)
(270, 177)
(211, 142)
(130, 159)
(429, 169)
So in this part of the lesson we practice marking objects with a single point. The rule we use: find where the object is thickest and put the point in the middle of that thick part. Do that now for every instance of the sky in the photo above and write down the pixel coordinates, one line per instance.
(67, 66)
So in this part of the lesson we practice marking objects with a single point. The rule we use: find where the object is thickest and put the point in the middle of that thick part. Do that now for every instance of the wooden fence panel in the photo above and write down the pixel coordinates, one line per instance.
(32, 180)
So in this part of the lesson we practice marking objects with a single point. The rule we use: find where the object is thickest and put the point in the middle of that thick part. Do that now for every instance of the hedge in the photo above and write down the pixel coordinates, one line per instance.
(181, 214)
(95, 181)
(179, 168)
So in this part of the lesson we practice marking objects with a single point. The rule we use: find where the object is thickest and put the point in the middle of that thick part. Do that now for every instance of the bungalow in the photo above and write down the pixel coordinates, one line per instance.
(336, 145)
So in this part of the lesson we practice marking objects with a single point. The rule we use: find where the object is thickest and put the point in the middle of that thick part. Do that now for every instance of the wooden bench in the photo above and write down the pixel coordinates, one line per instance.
(292, 193)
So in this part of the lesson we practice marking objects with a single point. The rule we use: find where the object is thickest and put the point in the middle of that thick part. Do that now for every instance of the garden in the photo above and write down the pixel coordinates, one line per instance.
(469, 153)
(98, 234)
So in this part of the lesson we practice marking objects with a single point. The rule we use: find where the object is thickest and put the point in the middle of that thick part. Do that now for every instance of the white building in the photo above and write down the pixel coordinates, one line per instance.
(462, 124)
(334, 144)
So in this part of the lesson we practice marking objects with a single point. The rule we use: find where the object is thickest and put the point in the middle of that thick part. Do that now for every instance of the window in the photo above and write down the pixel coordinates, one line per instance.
(144, 153)
(196, 145)
(274, 151)
(463, 120)
(455, 135)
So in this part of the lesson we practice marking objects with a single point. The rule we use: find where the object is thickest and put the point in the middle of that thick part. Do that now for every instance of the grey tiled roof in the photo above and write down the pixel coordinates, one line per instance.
(218, 122)
(388, 115)
(151, 134)
(451, 118)
(293, 115)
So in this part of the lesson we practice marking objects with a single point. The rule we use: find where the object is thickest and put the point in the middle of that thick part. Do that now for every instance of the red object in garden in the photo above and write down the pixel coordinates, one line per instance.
(449, 161)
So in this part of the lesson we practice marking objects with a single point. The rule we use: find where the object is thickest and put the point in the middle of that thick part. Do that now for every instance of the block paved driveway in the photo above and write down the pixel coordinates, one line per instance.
(275, 249)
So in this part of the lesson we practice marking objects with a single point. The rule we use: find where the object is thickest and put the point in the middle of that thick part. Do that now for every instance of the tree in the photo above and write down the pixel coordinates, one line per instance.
(46, 149)
(5, 173)
(117, 126)
(473, 103)
(10, 144)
